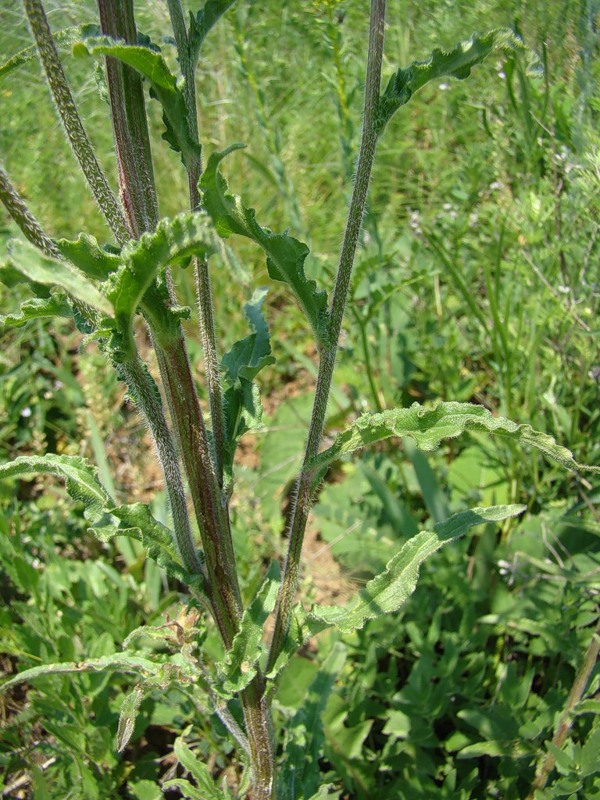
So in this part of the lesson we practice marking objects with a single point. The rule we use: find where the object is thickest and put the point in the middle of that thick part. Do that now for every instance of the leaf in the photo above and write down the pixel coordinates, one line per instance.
(285, 255)
(120, 662)
(127, 717)
(202, 23)
(88, 256)
(56, 305)
(429, 426)
(199, 771)
(152, 66)
(40, 269)
(300, 775)
(389, 591)
(173, 240)
(243, 409)
(241, 661)
(456, 63)
(63, 39)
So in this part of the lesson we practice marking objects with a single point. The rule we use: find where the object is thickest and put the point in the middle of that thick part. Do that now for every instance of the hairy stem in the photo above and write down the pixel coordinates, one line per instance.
(202, 275)
(303, 490)
(71, 121)
(565, 723)
(130, 124)
(18, 210)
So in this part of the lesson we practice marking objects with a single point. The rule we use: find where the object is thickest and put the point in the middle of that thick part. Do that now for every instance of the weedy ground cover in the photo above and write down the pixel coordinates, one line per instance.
(188, 668)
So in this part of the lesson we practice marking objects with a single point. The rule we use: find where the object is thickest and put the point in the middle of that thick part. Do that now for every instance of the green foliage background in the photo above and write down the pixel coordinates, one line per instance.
(477, 280)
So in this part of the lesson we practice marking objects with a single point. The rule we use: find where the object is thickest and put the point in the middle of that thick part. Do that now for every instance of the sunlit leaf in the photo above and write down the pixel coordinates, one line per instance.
(63, 39)
(456, 63)
(56, 305)
(285, 255)
(88, 256)
(429, 426)
(163, 85)
(207, 789)
(203, 21)
(128, 715)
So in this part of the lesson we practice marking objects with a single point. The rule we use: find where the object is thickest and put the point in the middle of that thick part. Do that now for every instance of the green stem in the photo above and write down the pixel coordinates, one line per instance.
(362, 327)
(565, 723)
(130, 124)
(303, 492)
(202, 275)
(17, 208)
(73, 126)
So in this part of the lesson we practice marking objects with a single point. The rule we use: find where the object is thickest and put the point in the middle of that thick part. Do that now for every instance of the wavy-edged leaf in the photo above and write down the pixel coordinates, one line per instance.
(285, 255)
(63, 39)
(455, 63)
(208, 790)
(241, 662)
(56, 305)
(389, 591)
(173, 240)
(128, 715)
(203, 21)
(88, 256)
(38, 269)
(243, 410)
(152, 66)
(121, 662)
(428, 426)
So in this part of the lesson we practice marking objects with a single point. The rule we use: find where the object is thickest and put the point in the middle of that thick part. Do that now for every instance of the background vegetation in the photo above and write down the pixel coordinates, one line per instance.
(477, 280)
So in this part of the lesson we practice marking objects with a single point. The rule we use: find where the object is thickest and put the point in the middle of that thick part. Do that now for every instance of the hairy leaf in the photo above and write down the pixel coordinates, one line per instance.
(39, 269)
(56, 305)
(88, 256)
(202, 23)
(429, 426)
(285, 255)
(128, 716)
(199, 771)
(152, 66)
(63, 39)
(173, 240)
(390, 590)
(241, 662)
(456, 63)
(121, 662)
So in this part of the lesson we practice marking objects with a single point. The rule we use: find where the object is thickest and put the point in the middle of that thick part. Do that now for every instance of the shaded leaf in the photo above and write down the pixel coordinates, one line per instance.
(241, 662)
(456, 63)
(56, 305)
(429, 426)
(203, 21)
(208, 790)
(39, 269)
(63, 39)
(152, 66)
(88, 256)
(285, 255)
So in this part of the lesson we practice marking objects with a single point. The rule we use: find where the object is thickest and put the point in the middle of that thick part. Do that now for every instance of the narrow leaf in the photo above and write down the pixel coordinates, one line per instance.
(389, 591)
(173, 240)
(39, 269)
(285, 255)
(87, 255)
(56, 305)
(63, 39)
(120, 662)
(198, 770)
(241, 663)
(429, 426)
(152, 66)
(202, 23)
(456, 63)
(127, 717)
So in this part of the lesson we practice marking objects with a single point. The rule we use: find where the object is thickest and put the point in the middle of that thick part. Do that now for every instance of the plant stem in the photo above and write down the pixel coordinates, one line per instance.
(130, 124)
(73, 126)
(202, 275)
(303, 492)
(18, 210)
(565, 723)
